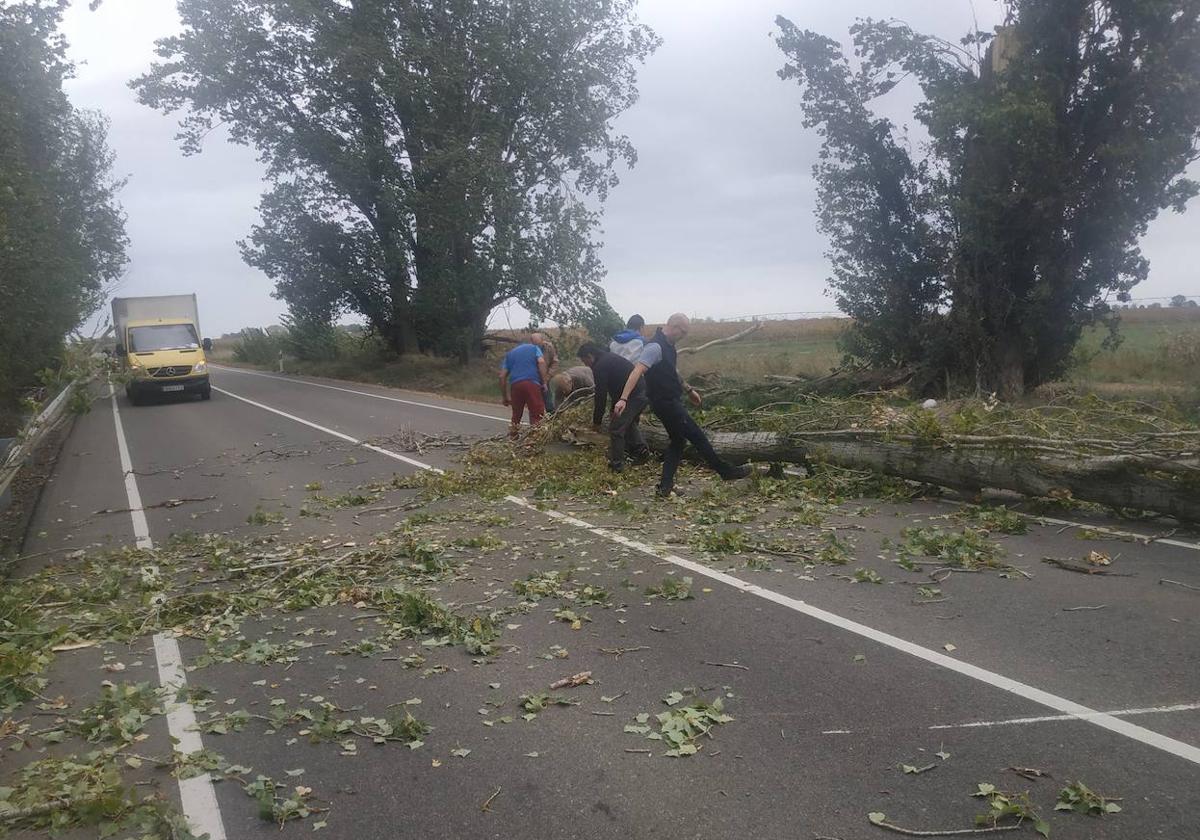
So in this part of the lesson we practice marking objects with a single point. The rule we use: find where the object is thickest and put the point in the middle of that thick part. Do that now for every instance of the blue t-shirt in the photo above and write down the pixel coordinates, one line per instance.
(521, 364)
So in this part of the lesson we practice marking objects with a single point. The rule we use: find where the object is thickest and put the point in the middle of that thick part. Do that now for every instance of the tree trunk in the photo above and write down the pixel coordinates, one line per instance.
(472, 338)
(1008, 377)
(1132, 482)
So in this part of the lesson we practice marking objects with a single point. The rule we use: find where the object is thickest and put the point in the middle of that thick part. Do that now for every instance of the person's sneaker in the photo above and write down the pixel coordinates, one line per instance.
(734, 473)
(616, 467)
(668, 492)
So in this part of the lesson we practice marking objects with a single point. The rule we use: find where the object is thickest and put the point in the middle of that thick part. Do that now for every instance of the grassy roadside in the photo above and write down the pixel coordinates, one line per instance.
(1158, 357)
(475, 381)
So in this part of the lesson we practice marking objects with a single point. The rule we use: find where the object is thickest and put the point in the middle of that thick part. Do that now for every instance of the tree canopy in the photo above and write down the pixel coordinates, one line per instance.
(427, 160)
(62, 233)
(981, 251)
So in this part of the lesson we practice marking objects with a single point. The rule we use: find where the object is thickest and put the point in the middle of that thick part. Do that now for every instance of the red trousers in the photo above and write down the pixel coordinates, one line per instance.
(526, 393)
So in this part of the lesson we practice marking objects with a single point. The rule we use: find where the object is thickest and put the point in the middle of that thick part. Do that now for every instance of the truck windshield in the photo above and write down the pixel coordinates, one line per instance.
(162, 337)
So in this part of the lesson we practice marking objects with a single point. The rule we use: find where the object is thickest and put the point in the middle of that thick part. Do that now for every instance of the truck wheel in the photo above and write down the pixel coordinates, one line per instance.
(206, 393)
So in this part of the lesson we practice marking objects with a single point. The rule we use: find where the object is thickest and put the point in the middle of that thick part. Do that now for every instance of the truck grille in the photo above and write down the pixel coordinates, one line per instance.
(172, 370)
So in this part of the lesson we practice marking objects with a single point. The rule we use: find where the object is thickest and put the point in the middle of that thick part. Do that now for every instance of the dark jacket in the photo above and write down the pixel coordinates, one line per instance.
(662, 379)
(611, 372)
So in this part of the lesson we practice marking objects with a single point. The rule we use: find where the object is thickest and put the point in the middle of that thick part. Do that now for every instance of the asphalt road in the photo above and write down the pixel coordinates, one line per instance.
(833, 686)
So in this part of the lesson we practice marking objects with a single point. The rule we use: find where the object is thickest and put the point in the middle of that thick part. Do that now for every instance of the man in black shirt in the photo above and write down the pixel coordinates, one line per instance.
(665, 389)
(610, 373)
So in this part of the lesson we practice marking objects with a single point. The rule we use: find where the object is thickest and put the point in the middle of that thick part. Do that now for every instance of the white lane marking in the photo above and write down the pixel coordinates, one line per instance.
(330, 431)
(976, 724)
(196, 795)
(1028, 692)
(1149, 710)
(1145, 539)
(1044, 698)
(364, 394)
(141, 530)
(1046, 520)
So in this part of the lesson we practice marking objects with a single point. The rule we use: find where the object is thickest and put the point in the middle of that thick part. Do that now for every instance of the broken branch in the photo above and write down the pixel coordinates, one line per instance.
(757, 325)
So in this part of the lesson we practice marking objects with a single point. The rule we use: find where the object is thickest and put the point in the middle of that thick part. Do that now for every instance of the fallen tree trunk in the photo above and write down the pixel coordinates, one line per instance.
(1116, 482)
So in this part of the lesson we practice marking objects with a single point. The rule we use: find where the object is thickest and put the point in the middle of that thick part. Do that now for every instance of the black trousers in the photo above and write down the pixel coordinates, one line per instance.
(624, 432)
(682, 429)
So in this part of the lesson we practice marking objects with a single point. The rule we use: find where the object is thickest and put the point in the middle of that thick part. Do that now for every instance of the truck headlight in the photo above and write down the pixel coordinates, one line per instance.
(201, 367)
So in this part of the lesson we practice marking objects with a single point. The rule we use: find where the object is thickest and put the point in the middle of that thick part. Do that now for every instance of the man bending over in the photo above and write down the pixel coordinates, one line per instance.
(665, 389)
(611, 372)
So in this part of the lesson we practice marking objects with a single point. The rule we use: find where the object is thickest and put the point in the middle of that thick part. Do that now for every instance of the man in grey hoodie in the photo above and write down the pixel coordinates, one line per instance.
(628, 343)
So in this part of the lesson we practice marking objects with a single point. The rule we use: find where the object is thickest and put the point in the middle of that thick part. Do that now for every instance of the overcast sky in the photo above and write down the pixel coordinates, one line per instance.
(716, 218)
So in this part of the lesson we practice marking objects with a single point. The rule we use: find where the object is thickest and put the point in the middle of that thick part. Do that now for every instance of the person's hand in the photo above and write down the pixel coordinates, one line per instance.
(618, 407)
(695, 397)
(506, 400)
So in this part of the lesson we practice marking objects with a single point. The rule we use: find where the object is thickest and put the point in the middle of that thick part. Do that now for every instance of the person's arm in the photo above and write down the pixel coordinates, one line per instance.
(638, 371)
(504, 386)
(543, 371)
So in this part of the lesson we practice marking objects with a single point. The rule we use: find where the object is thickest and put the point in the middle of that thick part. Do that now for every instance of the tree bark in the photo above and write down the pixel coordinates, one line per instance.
(1114, 481)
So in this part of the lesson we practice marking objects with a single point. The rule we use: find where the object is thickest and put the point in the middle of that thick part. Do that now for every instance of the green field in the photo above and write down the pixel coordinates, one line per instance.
(1159, 355)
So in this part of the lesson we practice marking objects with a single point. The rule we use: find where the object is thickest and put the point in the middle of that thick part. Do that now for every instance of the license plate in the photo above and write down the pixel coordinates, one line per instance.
(172, 388)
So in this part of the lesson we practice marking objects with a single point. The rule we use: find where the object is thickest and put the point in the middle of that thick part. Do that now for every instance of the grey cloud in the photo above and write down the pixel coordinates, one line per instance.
(716, 218)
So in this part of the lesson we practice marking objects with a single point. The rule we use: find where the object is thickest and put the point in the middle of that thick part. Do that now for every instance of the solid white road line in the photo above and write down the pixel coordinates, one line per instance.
(330, 431)
(1070, 708)
(1045, 520)
(141, 530)
(196, 795)
(362, 393)
(977, 724)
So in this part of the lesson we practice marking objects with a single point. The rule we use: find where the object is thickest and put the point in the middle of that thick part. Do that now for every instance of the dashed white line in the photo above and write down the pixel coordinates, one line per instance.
(1148, 710)
(1069, 708)
(1145, 539)
(1028, 692)
(362, 393)
(197, 797)
(983, 724)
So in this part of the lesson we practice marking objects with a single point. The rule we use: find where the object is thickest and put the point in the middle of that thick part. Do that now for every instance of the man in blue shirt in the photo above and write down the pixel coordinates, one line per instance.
(522, 380)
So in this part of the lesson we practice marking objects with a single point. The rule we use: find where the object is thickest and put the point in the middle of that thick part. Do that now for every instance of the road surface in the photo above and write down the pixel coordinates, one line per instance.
(834, 687)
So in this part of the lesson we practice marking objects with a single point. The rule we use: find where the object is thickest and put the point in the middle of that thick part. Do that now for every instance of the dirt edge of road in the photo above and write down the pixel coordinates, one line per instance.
(26, 491)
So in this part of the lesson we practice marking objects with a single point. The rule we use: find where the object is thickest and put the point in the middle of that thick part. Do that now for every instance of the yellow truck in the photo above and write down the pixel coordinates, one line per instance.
(159, 345)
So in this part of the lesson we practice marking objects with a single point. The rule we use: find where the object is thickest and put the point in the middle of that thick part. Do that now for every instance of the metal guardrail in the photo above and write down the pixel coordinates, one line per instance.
(27, 441)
